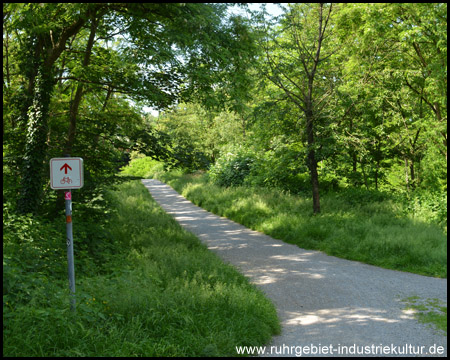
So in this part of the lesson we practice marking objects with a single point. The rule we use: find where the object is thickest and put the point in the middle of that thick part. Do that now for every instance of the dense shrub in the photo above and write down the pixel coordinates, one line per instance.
(425, 205)
(232, 168)
(283, 167)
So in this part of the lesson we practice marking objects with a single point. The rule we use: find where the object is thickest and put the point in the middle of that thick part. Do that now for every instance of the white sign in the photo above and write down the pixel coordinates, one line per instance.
(66, 173)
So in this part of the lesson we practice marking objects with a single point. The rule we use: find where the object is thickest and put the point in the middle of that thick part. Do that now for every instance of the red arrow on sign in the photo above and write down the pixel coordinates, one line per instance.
(65, 167)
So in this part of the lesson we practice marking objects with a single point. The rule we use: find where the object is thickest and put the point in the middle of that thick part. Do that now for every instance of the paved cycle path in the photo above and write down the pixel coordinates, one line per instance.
(321, 300)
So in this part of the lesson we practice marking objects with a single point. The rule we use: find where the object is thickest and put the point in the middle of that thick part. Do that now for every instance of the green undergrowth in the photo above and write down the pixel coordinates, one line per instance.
(363, 226)
(162, 293)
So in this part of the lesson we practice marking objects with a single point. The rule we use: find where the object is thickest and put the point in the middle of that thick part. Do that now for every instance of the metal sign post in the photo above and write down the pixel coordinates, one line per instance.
(67, 174)
(70, 262)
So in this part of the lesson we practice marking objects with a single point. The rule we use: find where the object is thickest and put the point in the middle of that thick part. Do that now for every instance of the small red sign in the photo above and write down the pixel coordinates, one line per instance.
(67, 195)
(66, 173)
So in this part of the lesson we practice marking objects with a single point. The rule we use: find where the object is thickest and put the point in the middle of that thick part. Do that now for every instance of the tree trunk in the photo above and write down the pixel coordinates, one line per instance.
(376, 174)
(243, 129)
(32, 177)
(406, 174)
(352, 151)
(309, 60)
(364, 176)
(40, 86)
(312, 162)
(378, 157)
(75, 105)
(314, 182)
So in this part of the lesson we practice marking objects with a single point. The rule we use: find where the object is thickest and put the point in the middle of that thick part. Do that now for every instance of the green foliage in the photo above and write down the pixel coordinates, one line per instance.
(434, 171)
(378, 94)
(198, 135)
(187, 158)
(362, 196)
(380, 111)
(35, 249)
(33, 252)
(74, 50)
(425, 205)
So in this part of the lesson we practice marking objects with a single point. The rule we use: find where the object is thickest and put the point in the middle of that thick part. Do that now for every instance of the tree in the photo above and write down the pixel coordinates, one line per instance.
(395, 69)
(295, 62)
(46, 42)
(203, 131)
(163, 52)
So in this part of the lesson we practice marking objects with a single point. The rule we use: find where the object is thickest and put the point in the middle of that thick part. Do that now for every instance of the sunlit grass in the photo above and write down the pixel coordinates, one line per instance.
(375, 232)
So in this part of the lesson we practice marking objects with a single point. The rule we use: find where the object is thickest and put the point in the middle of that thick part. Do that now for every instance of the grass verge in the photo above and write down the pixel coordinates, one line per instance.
(428, 311)
(163, 294)
(374, 231)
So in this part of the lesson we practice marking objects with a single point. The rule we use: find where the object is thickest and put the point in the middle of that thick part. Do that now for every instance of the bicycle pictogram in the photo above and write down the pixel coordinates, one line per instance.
(66, 180)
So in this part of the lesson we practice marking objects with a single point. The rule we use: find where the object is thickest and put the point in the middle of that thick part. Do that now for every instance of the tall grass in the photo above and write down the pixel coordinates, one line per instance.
(372, 229)
(141, 167)
(162, 294)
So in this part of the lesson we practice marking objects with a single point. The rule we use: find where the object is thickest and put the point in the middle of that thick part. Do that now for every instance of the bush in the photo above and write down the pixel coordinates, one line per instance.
(356, 196)
(232, 168)
(428, 206)
(283, 168)
(31, 242)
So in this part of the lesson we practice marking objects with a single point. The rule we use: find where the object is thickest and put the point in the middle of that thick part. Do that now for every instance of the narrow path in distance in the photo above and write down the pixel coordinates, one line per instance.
(321, 300)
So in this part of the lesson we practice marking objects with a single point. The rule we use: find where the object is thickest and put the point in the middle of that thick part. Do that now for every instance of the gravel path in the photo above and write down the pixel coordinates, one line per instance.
(326, 305)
